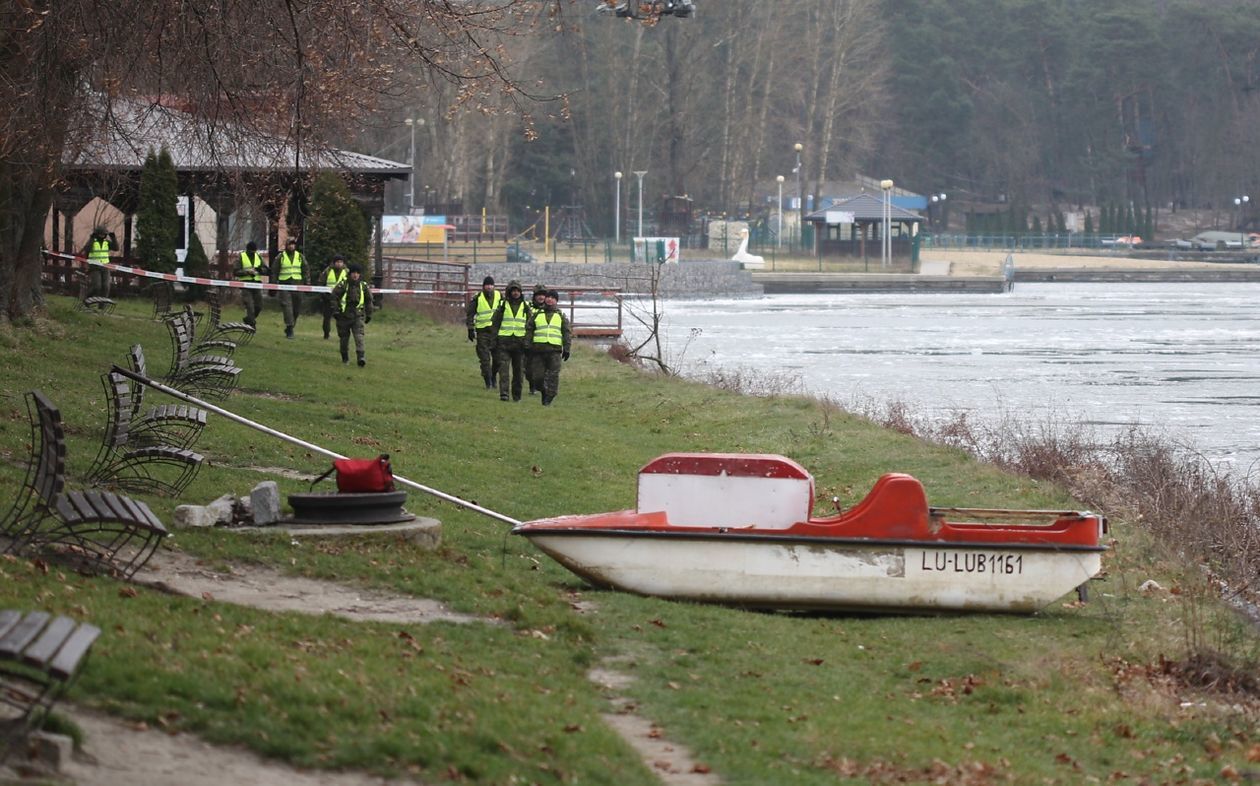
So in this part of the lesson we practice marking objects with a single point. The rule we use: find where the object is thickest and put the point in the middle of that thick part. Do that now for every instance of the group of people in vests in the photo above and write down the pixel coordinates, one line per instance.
(349, 303)
(515, 338)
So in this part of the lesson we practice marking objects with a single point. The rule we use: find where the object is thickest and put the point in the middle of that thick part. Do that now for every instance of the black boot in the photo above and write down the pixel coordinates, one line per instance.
(362, 360)
(345, 356)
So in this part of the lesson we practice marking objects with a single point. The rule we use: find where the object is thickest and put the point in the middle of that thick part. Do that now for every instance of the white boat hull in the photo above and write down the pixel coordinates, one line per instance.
(824, 574)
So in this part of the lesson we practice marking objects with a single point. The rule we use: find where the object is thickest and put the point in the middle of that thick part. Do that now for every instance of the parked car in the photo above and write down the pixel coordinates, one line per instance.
(517, 254)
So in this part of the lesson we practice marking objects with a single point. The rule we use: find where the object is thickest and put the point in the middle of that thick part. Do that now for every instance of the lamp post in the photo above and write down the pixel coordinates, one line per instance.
(800, 193)
(639, 174)
(1240, 202)
(617, 209)
(411, 177)
(938, 200)
(779, 234)
(887, 185)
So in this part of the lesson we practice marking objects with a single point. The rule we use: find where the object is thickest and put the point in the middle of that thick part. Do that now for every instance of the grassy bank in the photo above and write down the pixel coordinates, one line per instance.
(1075, 692)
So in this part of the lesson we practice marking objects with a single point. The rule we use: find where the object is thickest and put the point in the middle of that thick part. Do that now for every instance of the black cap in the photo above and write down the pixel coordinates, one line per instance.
(251, 246)
(553, 293)
(355, 268)
(339, 256)
(487, 280)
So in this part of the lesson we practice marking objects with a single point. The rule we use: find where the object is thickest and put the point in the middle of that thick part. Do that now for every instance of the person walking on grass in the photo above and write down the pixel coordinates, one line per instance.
(97, 250)
(331, 276)
(537, 304)
(508, 327)
(291, 270)
(251, 268)
(353, 298)
(548, 336)
(480, 314)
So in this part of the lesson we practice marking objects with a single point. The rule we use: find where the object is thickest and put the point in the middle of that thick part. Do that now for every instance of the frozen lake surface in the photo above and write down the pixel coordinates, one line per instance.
(1180, 359)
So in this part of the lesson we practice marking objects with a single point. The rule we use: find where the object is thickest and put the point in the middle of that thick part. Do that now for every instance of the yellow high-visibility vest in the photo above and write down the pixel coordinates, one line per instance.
(251, 266)
(290, 266)
(485, 310)
(547, 330)
(513, 324)
(362, 287)
(334, 276)
(98, 252)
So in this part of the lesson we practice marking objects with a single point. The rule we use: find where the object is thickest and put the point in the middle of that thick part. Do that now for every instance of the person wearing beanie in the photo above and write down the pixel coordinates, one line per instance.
(353, 299)
(478, 319)
(290, 269)
(331, 276)
(536, 305)
(549, 337)
(509, 340)
(97, 251)
(251, 268)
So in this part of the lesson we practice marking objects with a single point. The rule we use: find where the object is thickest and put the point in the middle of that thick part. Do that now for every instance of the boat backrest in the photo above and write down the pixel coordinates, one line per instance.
(727, 490)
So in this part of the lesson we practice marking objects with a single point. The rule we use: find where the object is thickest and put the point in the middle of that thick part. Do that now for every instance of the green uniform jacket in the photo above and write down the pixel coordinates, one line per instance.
(566, 334)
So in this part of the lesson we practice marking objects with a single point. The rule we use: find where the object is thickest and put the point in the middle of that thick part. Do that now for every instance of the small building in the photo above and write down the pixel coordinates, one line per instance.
(854, 227)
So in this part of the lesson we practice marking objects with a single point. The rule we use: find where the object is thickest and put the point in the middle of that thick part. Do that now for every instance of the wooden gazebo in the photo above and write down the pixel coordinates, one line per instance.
(854, 227)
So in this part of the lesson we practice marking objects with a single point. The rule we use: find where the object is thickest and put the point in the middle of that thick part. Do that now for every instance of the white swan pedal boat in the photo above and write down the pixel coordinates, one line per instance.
(738, 529)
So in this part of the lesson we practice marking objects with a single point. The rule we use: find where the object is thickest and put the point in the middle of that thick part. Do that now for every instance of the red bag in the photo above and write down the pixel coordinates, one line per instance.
(361, 476)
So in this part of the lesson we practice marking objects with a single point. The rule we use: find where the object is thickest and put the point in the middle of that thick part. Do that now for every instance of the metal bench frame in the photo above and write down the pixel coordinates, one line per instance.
(96, 303)
(177, 425)
(40, 657)
(144, 468)
(238, 332)
(213, 376)
(96, 531)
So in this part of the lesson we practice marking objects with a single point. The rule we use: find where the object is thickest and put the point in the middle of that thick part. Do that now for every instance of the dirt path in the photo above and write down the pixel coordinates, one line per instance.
(122, 754)
(267, 589)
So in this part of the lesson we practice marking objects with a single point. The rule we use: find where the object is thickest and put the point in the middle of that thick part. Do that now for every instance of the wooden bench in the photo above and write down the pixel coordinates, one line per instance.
(215, 376)
(162, 469)
(188, 318)
(178, 425)
(40, 656)
(95, 302)
(239, 332)
(96, 531)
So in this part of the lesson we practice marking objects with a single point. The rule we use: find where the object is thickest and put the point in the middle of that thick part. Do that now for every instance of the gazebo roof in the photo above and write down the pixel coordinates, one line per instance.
(134, 128)
(864, 207)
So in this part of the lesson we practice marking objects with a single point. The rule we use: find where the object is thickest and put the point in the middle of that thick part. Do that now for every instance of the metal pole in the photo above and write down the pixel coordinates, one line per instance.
(304, 444)
(779, 234)
(617, 210)
(639, 174)
(800, 193)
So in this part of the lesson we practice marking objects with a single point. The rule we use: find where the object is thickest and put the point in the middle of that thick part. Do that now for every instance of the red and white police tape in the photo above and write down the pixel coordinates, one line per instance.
(214, 282)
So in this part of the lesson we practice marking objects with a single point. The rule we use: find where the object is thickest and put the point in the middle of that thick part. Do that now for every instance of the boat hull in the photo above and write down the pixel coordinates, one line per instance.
(796, 573)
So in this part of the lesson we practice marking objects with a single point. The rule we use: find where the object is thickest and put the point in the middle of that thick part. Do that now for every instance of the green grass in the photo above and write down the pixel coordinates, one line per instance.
(759, 697)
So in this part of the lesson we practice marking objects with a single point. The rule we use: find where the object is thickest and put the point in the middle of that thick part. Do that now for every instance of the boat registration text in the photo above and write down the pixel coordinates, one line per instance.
(973, 562)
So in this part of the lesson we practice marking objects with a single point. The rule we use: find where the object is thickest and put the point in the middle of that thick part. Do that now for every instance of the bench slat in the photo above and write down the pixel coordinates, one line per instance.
(63, 666)
(16, 639)
(8, 618)
(45, 647)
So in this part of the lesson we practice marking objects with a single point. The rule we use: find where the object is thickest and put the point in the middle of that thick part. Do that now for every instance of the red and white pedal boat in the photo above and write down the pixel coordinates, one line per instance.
(737, 529)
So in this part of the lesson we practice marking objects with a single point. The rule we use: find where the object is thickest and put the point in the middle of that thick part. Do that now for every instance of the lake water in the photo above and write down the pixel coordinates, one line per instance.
(1180, 359)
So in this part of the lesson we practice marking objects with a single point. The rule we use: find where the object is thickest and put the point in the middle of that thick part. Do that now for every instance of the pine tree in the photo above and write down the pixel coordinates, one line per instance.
(335, 225)
(157, 220)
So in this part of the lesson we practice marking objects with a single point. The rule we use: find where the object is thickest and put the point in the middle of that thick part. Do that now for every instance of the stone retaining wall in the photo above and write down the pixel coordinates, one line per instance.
(688, 279)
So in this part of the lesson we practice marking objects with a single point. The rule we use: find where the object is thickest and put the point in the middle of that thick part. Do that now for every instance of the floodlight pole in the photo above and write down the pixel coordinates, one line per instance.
(639, 174)
(617, 209)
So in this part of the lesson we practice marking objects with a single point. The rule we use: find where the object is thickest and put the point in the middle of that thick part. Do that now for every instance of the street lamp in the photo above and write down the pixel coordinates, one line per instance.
(617, 209)
(939, 199)
(639, 174)
(800, 193)
(887, 185)
(1241, 203)
(411, 176)
(780, 232)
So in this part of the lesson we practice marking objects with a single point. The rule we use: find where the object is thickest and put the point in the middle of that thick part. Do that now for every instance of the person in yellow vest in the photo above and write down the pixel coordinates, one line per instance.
(478, 320)
(291, 270)
(331, 276)
(548, 336)
(251, 268)
(353, 298)
(97, 252)
(508, 326)
(538, 303)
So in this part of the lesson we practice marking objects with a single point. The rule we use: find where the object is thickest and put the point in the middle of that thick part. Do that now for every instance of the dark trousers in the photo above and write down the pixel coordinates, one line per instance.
(347, 325)
(546, 372)
(485, 353)
(252, 300)
(329, 312)
(98, 281)
(291, 304)
(510, 356)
